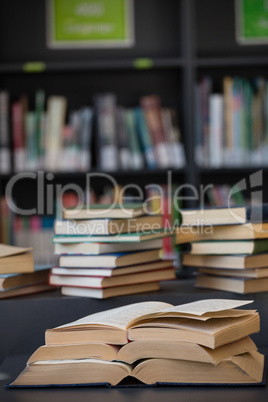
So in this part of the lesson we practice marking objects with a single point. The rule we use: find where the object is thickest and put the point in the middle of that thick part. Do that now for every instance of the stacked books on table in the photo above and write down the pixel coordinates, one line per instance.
(228, 247)
(105, 252)
(203, 342)
(18, 276)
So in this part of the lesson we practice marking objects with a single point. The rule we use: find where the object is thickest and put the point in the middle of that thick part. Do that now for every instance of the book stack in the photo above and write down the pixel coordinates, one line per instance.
(204, 342)
(106, 251)
(228, 247)
(18, 276)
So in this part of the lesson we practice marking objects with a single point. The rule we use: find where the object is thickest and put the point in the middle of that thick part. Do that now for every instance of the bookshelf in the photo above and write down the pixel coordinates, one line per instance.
(183, 40)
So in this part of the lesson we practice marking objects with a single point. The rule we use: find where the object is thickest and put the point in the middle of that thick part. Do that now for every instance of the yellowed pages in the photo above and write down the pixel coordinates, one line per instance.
(118, 317)
(200, 310)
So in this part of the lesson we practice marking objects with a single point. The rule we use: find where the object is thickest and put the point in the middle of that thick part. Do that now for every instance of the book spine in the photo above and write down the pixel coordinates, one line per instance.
(134, 146)
(56, 115)
(152, 111)
(145, 139)
(85, 138)
(124, 152)
(105, 110)
(39, 112)
(18, 135)
(215, 130)
(171, 128)
(228, 120)
(5, 155)
(31, 145)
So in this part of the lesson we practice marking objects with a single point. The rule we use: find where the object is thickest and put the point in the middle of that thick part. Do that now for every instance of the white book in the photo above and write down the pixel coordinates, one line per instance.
(56, 114)
(216, 130)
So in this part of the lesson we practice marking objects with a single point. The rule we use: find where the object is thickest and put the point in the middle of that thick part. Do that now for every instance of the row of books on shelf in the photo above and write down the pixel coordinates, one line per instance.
(231, 124)
(106, 135)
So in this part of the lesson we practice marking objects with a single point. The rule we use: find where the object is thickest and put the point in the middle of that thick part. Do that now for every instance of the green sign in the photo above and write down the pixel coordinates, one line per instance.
(90, 23)
(252, 22)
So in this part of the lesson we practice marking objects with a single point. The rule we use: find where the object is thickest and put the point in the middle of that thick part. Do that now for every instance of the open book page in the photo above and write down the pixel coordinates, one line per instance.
(201, 307)
(205, 317)
(6, 250)
(211, 326)
(117, 317)
(200, 310)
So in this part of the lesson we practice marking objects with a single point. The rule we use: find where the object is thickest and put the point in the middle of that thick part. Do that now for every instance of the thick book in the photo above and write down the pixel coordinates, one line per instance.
(14, 280)
(5, 156)
(105, 248)
(245, 273)
(229, 247)
(108, 226)
(145, 139)
(243, 369)
(119, 280)
(135, 237)
(130, 210)
(122, 139)
(136, 154)
(152, 349)
(115, 271)
(225, 215)
(215, 134)
(232, 284)
(56, 115)
(110, 292)
(151, 106)
(186, 234)
(109, 260)
(25, 290)
(15, 259)
(18, 136)
(211, 323)
(106, 131)
(226, 261)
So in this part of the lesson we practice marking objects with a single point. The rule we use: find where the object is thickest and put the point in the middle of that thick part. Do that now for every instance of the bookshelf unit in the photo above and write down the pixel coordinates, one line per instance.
(183, 40)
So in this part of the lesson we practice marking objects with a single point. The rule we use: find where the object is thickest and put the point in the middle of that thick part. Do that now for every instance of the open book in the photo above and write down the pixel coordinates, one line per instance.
(246, 368)
(210, 323)
(204, 342)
